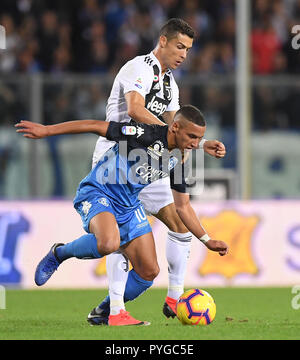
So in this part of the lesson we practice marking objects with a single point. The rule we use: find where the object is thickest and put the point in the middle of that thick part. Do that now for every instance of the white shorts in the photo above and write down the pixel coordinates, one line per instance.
(101, 147)
(155, 196)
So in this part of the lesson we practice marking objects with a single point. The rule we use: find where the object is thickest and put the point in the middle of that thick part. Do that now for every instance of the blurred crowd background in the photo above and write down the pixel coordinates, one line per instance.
(76, 47)
(99, 36)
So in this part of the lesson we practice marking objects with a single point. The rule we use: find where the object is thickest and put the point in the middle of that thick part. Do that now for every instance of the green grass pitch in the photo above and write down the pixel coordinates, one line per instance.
(242, 313)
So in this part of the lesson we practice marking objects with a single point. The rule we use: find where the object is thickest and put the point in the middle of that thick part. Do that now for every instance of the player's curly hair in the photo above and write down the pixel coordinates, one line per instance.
(174, 26)
(193, 114)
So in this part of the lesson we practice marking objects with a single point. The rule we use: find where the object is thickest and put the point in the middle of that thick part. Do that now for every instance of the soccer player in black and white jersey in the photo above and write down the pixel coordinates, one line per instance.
(145, 90)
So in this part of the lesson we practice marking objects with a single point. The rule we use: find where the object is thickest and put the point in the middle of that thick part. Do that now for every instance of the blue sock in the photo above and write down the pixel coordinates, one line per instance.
(83, 248)
(135, 286)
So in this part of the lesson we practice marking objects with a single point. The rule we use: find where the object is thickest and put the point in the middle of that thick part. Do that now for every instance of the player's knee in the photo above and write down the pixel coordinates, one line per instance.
(107, 245)
(155, 272)
(150, 273)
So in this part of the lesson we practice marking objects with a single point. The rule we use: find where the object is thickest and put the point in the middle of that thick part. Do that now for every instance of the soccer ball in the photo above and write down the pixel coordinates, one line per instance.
(196, 307)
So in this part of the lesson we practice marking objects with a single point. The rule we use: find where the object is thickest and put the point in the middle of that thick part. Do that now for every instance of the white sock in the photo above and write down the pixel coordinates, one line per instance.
(177, 252)
(117, 267)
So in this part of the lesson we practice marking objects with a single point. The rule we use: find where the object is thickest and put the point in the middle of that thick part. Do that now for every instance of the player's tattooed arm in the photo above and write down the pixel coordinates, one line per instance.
(33, 130)
(191, 221)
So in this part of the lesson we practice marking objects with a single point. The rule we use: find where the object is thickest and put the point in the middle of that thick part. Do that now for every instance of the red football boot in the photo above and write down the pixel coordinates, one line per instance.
(169, 308)
(124, 319)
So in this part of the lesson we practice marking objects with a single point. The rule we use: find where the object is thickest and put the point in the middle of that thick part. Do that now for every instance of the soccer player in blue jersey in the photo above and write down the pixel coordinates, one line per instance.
(107, 199)
(146, 91)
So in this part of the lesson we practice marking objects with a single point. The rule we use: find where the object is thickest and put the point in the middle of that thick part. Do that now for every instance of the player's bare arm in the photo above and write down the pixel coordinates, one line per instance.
(191, 221)
(137, 111)
(214, 148)
(33, 130)
(168, 116)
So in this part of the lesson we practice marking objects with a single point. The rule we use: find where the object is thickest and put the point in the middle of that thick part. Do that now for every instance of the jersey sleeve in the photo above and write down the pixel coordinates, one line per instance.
(177, 179)
(174, 104)
(136, 134)
(134, 76)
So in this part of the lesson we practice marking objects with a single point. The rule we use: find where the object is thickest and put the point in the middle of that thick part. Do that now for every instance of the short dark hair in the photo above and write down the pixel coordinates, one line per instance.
(174, 26)
(193, 114)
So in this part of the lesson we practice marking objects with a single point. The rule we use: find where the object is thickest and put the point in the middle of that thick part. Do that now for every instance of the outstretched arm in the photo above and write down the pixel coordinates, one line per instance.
(33, 130)
(191, 221)
(214, 148)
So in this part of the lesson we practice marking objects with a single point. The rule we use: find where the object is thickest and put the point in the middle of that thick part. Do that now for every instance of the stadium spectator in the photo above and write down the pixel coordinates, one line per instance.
(265, 46)
(93, 36)
(204, 62)
(26, 62)
(8, 58)
(123, 26)
(61, 60)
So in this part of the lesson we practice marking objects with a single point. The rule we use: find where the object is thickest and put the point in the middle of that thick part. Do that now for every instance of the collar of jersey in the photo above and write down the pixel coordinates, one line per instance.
(155, 59)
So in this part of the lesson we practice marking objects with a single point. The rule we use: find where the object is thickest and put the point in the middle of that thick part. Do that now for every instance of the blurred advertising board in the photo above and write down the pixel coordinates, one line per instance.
(263, 236)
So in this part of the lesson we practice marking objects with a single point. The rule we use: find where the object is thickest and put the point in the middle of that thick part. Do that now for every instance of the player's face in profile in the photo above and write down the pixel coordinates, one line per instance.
(188, 135)
(176, 49)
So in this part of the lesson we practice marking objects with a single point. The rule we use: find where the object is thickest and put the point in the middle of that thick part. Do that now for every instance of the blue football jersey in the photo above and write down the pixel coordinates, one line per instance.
(139, 157)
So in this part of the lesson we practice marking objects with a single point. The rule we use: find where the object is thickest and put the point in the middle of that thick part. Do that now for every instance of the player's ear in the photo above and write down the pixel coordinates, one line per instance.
(175, 126)
(163, 41)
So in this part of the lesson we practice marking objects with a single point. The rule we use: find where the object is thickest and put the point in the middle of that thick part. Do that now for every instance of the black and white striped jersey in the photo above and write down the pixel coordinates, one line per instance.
(142, 74)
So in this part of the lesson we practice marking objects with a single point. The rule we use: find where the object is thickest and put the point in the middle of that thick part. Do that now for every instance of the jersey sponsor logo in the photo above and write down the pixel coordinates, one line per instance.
(172, 163)
(156, 107)
(169, 93)
(140, 131)
(128, 130)
(156, 149)
(103, 201)
(156, 87)
(158, 146)
(150, 173)
(86, 207)
(138, 83)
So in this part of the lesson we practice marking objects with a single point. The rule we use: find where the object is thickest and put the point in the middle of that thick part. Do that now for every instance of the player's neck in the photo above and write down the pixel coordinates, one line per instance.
(157, 54)
(171, 140)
